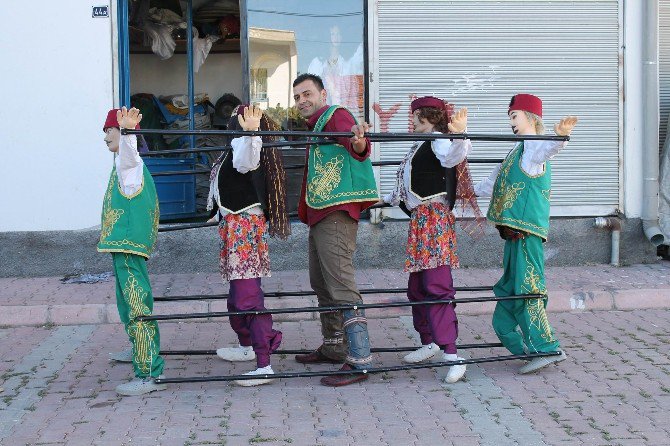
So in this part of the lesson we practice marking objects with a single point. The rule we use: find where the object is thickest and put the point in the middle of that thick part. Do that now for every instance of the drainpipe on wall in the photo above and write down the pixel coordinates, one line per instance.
(614, 224)
(650, 95)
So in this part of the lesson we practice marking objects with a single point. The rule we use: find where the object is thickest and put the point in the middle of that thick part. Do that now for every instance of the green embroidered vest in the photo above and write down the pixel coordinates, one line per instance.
(333, 176)
(521, 201)
(129, 223)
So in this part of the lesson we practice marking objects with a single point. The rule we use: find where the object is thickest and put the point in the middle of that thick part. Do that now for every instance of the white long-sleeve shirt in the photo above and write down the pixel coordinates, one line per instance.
(535, 154)
(246, 157)
(129, 165)
(449, 153)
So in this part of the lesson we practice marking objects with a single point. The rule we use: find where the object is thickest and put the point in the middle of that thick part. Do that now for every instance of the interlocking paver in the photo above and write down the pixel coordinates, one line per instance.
(614, 388)
(36, 301)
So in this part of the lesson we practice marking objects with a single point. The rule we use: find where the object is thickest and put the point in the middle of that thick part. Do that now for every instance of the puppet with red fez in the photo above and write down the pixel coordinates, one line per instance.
(432, 176)
(129, 228)
(520, 190)
(248, 194)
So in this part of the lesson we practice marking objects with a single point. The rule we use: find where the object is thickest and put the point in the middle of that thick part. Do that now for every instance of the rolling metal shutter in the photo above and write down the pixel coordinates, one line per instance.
(478, 53)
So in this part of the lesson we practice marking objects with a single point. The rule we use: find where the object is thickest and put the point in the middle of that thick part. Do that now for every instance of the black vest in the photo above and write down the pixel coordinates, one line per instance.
(239, 191)
(429, 178)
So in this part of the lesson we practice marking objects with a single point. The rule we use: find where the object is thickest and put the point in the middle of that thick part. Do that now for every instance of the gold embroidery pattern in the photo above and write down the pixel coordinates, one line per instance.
(546, 194)
(506, 198)
(109, 215)
(142, 332)
(154, 214)
(504, 195)
(326, 176)
(533, 284)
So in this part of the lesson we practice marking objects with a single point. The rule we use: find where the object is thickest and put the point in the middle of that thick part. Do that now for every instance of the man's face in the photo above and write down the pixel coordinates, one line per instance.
(520, 123)
(112, 137)
(308, 98)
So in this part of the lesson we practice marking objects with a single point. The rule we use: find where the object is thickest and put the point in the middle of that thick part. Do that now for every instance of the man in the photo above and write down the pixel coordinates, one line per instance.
(338, 184)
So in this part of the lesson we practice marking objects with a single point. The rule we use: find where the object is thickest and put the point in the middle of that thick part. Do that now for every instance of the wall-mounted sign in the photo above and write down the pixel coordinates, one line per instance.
(100, 11)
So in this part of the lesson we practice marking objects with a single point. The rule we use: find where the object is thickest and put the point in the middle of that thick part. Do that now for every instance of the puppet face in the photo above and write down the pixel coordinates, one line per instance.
(308, 98)
(421, 125)
(112, 138)
(520, 123)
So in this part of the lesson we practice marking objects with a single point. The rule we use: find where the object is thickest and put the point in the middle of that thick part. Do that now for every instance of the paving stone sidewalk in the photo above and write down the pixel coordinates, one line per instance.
(614, 389)
(39, 301)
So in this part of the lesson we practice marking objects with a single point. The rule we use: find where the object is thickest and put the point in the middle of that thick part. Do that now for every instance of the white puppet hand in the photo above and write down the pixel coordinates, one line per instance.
(459, 121)
(565, 126)
(128, 119)
(251, 119)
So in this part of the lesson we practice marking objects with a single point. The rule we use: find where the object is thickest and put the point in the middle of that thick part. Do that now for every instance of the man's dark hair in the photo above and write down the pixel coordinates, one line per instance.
(309, 77)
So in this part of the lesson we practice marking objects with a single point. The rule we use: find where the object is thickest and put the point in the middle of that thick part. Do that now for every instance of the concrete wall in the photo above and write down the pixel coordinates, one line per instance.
(571, 242)
(57, 87)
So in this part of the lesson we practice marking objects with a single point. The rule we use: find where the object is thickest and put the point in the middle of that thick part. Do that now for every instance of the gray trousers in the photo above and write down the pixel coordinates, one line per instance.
(332, 243)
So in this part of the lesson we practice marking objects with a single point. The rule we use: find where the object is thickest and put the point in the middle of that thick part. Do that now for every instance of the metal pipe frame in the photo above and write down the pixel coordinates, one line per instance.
(371, 370)
(303, 352)
(308, 293)
(302, 166)
(167, 317)
(222, 148)
(189, 70)
(372, 136)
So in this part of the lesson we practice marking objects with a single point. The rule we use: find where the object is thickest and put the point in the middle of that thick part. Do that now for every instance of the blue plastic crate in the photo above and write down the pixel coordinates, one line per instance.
(176, 193)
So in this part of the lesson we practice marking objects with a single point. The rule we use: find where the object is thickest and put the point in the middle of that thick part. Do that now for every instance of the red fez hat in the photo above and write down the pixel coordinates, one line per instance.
(428, 101)
(239, 110)
(111, 120)
(526, 102)
(432, 101)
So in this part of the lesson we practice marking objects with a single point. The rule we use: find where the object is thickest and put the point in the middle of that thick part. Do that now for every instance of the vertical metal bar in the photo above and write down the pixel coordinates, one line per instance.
(244, 51)
(189, 66)
(124, 54)
(366, 63)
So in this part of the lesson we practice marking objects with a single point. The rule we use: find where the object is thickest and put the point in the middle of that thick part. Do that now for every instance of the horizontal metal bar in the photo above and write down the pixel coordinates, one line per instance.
(167, 317)
(304, 352)
(371, 370)
(179, 227)
(373, 136)
(397, 162)
(309, 293)
(302, 166)
(221, 148)
(180, 172)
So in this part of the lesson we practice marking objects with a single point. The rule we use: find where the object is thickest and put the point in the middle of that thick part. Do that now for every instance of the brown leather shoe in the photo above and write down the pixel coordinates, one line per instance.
(343, 380)
(316, 357)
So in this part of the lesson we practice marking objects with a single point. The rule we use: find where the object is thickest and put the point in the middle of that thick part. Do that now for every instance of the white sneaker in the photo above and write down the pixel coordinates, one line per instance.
(456, 372)
(124, 356)
(421, 354)
(256, 382)
(236, 354)
(542, 361)
(140, 386)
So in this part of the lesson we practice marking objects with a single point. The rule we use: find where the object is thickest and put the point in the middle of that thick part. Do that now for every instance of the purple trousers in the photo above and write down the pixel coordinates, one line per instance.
(435, 323)
(252, 330)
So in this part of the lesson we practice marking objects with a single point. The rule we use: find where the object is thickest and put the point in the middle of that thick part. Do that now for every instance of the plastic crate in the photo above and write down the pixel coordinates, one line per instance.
(176, 193)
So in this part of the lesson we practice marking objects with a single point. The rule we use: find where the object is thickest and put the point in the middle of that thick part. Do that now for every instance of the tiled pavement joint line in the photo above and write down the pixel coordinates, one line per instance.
(483, 403)
(32, 375)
